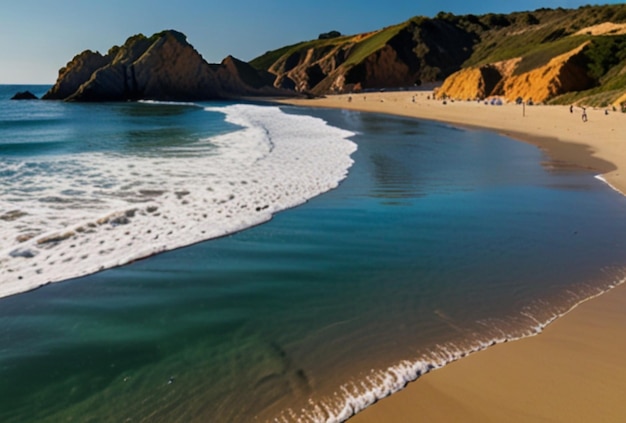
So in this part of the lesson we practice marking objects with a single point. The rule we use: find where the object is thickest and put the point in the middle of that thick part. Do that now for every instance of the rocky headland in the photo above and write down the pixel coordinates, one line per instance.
(558, 55)
(161, 67)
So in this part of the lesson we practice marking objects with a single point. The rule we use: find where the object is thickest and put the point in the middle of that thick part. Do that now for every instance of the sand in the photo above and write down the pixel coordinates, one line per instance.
(574, 371)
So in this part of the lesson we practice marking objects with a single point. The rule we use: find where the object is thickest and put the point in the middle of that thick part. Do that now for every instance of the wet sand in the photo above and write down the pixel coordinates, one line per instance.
(574, 371)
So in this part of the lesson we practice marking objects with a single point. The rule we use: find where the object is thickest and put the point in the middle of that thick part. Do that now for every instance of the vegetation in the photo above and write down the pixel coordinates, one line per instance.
(535, 37)
(265, 61)
(604, 53)
(327, 35)
(542, 54)
(372, 43)
(601, 96)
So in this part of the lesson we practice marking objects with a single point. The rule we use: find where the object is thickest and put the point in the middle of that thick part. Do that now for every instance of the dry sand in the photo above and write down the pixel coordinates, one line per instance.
(575, 371)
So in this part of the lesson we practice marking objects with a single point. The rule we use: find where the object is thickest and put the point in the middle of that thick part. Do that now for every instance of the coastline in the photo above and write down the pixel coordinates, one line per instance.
(592, 145)
(574, 369)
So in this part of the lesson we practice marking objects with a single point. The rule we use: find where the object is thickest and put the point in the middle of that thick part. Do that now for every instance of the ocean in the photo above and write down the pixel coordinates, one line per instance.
(350, 254)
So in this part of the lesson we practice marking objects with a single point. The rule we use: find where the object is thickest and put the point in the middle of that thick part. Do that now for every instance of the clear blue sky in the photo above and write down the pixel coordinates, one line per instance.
(37, 37)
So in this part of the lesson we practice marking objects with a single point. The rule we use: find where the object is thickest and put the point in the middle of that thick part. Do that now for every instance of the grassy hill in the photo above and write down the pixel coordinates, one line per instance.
(430, 49)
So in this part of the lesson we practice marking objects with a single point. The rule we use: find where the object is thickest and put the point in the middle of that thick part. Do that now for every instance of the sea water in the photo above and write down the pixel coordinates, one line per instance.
(88, 187)
(439, 242)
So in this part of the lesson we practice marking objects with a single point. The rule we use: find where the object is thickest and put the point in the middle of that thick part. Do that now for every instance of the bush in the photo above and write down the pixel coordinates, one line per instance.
(493, 20)
(604, 53)
(329, 35)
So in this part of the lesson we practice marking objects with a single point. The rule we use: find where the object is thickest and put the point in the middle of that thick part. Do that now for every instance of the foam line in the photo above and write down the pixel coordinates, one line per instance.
(354, 397)
(64, 217)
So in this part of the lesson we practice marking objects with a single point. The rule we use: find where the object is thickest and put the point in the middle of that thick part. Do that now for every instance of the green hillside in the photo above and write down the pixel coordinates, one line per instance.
(429, 49)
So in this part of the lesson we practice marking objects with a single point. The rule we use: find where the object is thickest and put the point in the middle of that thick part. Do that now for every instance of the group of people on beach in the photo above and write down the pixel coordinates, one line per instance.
(583, 116)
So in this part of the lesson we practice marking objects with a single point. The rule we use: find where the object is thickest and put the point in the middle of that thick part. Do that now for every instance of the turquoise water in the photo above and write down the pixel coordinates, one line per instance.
(439, 241)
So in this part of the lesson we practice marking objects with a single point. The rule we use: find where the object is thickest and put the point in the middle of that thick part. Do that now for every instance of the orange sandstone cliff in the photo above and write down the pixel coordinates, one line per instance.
(562, 74)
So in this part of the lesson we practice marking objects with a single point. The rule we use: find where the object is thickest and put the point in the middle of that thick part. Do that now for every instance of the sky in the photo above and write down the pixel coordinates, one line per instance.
(38, 37)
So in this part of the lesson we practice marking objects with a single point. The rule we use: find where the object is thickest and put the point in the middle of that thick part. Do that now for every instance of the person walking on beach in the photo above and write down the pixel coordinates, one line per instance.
(584, 116)
(571, 109)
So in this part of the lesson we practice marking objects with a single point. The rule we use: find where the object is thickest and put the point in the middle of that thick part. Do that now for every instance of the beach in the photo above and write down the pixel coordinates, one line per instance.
(594, 145)
(575, 369)
(440, 240)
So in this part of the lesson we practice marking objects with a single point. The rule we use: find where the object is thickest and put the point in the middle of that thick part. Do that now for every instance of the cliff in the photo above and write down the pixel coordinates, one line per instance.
(162, 67)
(549, 55)
(522, 54)
(562, 74)
(419, 50)
(75, 73)
(471, 83)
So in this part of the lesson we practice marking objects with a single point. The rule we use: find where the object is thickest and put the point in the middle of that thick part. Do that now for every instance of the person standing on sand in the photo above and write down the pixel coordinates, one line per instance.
(571, 109)
(584, 116)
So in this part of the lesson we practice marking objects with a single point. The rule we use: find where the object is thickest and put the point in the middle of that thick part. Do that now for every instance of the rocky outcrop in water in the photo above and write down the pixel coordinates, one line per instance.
(162, 67)
(24, 95)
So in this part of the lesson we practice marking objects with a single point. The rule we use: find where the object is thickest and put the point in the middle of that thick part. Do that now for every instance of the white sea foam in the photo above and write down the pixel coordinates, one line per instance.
(613, 187)
(65, 217)
(354, 397)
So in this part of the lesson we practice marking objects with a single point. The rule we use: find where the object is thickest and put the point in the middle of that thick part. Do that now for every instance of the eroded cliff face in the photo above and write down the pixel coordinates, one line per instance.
(471, 83)
(75, 73)
(563, 74)
(162, 67)
(239, 78)
(425, 51)
(560, 75)
(304, 70)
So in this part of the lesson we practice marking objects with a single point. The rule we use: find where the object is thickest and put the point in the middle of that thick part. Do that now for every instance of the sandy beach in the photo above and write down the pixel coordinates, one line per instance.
(575, 370)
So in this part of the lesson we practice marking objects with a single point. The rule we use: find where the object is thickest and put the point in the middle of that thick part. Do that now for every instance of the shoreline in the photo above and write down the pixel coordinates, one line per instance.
(591, 145)
(572, 370)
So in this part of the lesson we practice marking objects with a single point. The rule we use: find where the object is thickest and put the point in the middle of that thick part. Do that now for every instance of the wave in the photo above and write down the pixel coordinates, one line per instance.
(170, 103)
(110, 209)
(354, 397)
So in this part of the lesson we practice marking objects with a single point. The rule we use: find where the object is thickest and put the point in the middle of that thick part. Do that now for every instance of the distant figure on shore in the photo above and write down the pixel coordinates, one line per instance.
(350, 99)
(584, 116)
(571, 109)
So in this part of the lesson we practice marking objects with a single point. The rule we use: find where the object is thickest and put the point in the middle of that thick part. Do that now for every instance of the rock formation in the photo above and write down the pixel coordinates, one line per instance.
(562, 74)
(496, 54)
(418, 51)
(239, 78)
(24, 95)
(75, 73)
(162, 67)
(471, 83)
(518, 55)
